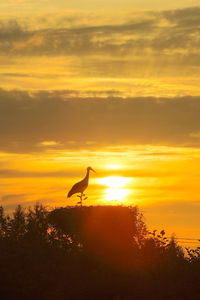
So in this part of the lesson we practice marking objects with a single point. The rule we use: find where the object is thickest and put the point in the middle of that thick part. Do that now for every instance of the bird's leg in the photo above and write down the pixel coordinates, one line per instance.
(85, 197)
(81, 198)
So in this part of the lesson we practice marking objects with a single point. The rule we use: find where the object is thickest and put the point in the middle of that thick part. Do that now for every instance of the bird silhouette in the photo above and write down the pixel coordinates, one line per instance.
(81, 186)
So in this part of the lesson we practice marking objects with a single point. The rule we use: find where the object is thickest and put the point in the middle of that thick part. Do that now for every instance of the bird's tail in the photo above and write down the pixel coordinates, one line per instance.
(69, 194)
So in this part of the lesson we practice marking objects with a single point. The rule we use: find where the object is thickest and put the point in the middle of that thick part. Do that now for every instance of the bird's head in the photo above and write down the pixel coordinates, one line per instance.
(90, 169)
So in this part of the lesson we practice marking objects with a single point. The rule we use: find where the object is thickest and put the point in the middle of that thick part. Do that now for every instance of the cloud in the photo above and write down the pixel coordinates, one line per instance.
(11, 31)
(92, 39)
(195, 135)
(27, 120)
(176, 31)
(175, 207)
(187, 17)
(13, 173)
(13, 197)
(48, 143)
(34, 41)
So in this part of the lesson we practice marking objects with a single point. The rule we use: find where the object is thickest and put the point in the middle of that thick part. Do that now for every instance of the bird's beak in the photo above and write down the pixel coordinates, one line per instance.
(93, 170)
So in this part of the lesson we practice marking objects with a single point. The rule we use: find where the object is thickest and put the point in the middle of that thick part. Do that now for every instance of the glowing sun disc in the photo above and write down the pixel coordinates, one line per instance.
(116, 194)
(115, 190)
(114, 181)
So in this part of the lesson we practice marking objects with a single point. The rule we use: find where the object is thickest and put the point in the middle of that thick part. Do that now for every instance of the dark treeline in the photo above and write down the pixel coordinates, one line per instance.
(102, 252)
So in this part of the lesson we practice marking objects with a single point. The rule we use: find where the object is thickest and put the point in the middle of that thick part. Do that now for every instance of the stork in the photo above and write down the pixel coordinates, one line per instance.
(81, 186)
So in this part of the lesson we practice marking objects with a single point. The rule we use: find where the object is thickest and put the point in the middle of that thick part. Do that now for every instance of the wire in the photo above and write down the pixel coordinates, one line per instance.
(182, 238)
(188, 242)
(188, 239)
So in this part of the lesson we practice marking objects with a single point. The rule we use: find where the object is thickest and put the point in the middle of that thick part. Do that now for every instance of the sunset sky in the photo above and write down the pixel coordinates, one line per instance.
(108, 84)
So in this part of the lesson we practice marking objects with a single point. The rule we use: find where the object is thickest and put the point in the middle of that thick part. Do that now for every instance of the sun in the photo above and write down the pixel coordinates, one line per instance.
(116, 194)
(114, 181)
(115, 190)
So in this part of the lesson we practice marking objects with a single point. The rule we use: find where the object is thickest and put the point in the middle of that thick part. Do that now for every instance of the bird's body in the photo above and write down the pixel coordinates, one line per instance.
(81, 186)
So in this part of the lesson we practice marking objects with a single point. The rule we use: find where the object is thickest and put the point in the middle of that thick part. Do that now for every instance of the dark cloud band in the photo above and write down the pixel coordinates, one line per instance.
(26, 121)
(173, 30)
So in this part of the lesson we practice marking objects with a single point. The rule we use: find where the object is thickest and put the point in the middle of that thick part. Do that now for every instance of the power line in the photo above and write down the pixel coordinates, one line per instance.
(188, 239)
(189, 242)
(183, 238)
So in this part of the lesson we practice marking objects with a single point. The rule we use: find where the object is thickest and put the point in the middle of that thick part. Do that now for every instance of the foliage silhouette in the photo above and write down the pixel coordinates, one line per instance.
(103, 252)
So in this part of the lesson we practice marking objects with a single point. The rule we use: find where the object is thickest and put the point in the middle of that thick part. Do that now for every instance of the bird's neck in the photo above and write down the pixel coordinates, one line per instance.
(87, 175)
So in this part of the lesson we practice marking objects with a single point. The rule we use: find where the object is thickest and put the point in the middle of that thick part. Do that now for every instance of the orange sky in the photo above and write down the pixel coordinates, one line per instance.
(162, 181)
(115, 88)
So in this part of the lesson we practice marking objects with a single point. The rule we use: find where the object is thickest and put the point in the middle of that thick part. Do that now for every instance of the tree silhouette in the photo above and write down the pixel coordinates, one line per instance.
(103, 252)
